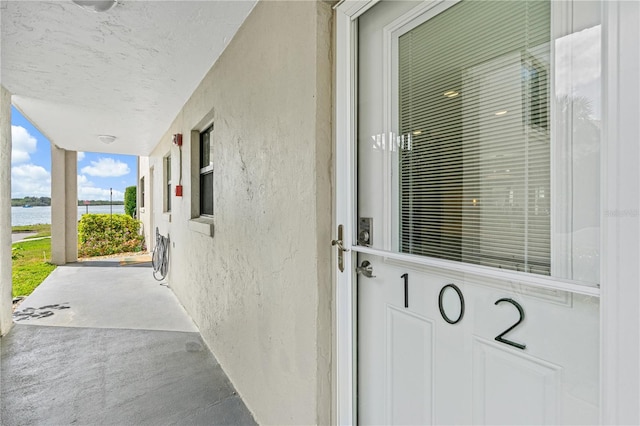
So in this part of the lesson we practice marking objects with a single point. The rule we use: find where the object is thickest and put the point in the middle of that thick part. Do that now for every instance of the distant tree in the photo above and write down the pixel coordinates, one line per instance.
(130, 200)
(32, 201)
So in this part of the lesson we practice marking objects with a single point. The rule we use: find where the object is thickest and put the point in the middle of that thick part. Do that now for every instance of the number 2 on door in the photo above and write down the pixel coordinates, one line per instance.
(499, 337)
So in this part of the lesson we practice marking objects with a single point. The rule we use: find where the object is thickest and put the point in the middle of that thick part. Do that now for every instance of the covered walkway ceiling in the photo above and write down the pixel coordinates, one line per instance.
(126, 72)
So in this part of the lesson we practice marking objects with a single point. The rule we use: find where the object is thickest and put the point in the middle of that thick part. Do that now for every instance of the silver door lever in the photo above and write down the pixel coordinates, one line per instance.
(365, 269)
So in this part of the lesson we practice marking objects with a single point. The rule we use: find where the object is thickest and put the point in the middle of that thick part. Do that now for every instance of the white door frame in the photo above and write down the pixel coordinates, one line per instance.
(620, 212)
(620, 222)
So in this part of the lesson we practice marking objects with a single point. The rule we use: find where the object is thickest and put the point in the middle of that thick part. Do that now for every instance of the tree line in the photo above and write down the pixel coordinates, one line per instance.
(46, 201)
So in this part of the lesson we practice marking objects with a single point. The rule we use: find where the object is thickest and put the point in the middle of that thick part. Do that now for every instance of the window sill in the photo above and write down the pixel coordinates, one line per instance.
(202, 225)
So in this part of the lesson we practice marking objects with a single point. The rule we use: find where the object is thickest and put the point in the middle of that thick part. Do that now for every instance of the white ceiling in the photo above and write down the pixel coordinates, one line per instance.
(127, 72)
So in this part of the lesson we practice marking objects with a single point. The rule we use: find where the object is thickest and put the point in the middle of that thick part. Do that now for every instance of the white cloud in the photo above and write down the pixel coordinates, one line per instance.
(106, 167)
(29, 180)
(84, 181)
(80, 156)
(23, 144)
(93, 193)
(88, 191)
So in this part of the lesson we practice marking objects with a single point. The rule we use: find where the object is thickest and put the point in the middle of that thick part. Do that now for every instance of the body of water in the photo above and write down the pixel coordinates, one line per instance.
(31, 216)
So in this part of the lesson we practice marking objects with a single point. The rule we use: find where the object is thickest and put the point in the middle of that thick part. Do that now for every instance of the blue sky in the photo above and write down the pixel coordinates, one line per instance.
(31, 167)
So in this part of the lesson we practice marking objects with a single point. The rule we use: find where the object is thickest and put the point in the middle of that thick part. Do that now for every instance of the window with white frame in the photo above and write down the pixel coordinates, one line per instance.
(497, 139)
(206, 172)
(142, 190)
(167, 183)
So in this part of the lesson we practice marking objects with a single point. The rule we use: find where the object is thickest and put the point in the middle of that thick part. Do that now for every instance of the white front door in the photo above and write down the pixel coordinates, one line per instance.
(477, 218)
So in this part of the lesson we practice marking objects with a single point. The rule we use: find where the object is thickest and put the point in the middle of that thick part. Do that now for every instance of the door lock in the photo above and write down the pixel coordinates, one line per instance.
(365, 227)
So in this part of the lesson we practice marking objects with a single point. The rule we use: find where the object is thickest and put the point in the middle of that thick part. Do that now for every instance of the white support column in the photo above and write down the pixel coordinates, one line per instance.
(71, 199)
(6, 320)
(64, 206)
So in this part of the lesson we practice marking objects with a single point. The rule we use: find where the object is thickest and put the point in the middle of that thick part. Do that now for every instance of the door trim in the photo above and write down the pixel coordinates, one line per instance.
(345, 398)
(508, 277)
(620, 215)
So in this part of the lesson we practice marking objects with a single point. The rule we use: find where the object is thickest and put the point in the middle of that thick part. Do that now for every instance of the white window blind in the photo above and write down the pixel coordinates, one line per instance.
(474, 181)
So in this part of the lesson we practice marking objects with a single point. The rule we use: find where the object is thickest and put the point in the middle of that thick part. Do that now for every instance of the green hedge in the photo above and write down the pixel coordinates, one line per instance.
(103, 234)
(130, 200)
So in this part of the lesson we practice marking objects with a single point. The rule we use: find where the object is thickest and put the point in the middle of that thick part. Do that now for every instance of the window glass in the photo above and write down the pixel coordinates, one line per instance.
(142, 192)
(168, 183)
(492, 148)
(474, 184)
(206, 172)
(206, 193)
(205, 148)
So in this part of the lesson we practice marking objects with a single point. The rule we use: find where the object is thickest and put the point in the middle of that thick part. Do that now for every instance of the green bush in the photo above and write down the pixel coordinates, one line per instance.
(130, 200)
(103, 234)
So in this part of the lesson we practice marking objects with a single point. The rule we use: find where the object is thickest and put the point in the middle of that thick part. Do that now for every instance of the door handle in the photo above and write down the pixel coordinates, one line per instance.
(339, 244)
(341, 249)
(365, 269)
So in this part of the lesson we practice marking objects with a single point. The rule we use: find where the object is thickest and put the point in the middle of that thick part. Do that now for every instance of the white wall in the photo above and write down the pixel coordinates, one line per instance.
(260, 289)
(5, 212)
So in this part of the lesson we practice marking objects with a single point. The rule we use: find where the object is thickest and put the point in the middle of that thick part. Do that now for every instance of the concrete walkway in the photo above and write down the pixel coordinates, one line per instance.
(104, 343)
(21, 236)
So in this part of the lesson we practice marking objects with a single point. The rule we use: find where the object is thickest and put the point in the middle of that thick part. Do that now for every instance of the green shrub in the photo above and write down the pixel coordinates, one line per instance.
(103, 234)
(130, 200)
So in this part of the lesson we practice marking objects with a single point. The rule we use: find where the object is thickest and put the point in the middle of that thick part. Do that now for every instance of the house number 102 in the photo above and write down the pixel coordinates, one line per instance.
(451, 305)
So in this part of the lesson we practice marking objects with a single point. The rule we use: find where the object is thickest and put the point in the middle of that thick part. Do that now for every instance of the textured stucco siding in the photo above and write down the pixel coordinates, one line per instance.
(259, 289)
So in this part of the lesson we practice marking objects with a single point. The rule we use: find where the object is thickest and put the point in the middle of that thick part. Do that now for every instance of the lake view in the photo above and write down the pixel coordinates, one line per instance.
(33, 215)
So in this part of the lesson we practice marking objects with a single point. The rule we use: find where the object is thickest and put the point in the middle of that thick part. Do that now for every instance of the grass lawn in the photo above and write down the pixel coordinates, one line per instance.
(32, 266)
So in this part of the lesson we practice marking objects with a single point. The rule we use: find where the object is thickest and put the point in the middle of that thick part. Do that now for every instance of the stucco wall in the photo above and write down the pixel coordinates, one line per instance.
(5, 211)
(259, 289)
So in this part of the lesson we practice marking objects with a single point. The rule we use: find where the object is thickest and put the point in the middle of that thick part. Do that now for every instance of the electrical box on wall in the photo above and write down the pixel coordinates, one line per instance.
(177, 139)
(178, 190)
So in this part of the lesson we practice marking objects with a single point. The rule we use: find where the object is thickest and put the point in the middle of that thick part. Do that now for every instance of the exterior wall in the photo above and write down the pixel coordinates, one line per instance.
(5, 212)
(256, 278)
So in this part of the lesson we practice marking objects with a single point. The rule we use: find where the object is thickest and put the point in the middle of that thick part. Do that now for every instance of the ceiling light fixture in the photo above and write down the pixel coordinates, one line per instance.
(96, 5)
(106, 139)
(503, 112)
(451, 94)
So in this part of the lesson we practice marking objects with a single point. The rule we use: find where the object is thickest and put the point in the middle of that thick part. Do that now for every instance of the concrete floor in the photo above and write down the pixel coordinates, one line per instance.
(124, 352)
(21, 236)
